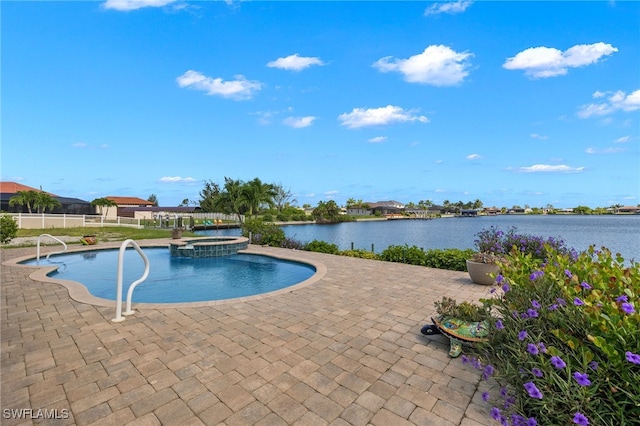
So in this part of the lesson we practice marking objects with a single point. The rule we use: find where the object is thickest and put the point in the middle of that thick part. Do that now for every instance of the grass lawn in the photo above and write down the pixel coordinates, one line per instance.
(107, 233)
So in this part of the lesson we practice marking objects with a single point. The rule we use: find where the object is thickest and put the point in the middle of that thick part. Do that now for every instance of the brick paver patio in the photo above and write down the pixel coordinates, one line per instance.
(345, 350)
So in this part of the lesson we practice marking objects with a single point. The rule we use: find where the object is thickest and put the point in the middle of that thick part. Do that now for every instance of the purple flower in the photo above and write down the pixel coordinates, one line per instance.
(495, 413)
(505, 287)
(542, 347)
(561, 301)
(535, 304)
(585, 285)
(499, 278)
(568, 273)
(632, 358)
(553, 307)
(488, 372)
(518, 420)
(531, 422)
(485, 396)
(499, 325)
(536, 372)
(627, 308)
(623, 298)
(535, 275)
(532, 390)
(522, 335)
(532, 349)
(557, 362)
(465, 359)
(593, 365)
(582, 378)
(503, 392)
(532, 313)
(580, 419)
(577, 301)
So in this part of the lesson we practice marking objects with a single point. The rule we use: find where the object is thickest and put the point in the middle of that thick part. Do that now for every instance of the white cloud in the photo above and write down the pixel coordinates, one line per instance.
(80, 145)
(537, 136)
(125, 5)
(610, 150)
(473, 157)
(238, 89)
(548, 168)
(378, 139)
(623, 139)
(360, 117)
(543, 62)
(331, 192)
(437, 65)
(176, 179)
(451, 7)
(299, 122)
(295, 62)
(616, 101)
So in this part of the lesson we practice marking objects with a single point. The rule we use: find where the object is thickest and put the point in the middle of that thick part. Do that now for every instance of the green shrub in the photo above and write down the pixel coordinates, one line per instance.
(282, 217)
(565, 342)
(361, 253)
(404, 254)
(262, 233)
(267, 217)
(8, 228)
(450, 259)
(322, 247)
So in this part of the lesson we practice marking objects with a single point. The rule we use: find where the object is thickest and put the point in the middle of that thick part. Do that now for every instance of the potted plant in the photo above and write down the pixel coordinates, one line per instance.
(483, 268)
(176, 233)
(490, 248)
(462, 323)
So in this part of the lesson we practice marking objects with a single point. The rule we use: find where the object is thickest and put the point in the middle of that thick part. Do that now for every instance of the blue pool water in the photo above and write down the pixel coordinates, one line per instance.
(176, 280)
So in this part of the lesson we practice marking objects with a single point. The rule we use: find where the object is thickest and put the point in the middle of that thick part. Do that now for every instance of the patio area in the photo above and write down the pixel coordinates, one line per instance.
(345, 350)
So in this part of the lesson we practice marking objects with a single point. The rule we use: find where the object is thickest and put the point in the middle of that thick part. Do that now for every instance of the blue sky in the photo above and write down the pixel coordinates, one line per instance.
(512, 103)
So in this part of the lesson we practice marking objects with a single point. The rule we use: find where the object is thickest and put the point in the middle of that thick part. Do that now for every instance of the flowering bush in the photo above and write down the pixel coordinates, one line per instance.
(496, 243)
(565, 340)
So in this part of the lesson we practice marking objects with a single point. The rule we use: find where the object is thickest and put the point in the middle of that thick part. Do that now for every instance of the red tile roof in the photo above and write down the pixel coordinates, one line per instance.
(13, 187)
(126, 201)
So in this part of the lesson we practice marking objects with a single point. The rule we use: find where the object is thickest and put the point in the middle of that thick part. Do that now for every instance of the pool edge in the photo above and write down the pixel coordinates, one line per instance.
(80, 293)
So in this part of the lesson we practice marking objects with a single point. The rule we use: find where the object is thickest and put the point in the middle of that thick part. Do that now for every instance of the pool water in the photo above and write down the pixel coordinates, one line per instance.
(178, 279)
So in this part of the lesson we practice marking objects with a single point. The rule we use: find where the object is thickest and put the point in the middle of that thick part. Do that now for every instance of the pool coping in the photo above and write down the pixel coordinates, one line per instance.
(80, 293)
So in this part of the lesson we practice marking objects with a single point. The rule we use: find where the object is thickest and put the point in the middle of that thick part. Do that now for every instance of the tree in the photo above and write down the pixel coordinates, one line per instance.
(45, 201)
(24, 198)
(425, 204)
(477, 204)
(326, 212)
(153, 199)
(255, 194)
(208, 196)
(283, 197)
(103, 202)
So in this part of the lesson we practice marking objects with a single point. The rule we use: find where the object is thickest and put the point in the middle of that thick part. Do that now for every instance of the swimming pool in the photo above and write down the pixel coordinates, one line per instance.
(178, 279)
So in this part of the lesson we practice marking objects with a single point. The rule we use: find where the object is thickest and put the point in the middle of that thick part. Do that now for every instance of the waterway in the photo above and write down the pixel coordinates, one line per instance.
(619, 233)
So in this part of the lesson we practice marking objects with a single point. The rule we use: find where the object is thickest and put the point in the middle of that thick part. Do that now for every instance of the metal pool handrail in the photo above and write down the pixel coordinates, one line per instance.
(129, 311)
(55, 252)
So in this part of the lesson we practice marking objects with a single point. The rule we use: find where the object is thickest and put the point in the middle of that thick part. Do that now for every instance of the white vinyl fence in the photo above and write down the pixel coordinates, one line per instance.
(45, 220)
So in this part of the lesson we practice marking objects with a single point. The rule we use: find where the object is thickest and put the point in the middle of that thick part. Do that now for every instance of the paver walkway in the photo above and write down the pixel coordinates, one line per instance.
(346, 350)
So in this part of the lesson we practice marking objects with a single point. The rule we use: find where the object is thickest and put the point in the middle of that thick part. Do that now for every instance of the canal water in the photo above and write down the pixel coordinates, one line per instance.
(619, 233)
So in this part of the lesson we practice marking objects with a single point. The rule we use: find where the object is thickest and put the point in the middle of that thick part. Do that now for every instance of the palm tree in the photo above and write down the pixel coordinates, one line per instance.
(103, 202)
(24, 198)
(230, 199)
(45, 201)
(256, 194)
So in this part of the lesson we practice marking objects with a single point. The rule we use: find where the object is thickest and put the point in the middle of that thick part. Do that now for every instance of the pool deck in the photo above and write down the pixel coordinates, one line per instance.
(344, 350)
